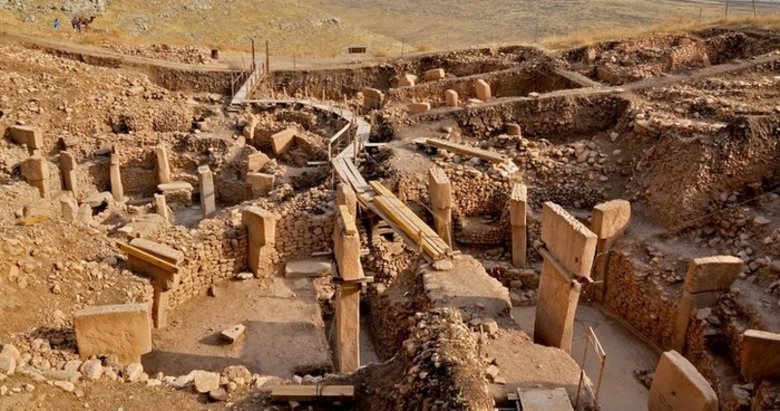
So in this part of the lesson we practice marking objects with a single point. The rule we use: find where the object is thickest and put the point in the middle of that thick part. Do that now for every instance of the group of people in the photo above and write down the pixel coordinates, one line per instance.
(79, 23)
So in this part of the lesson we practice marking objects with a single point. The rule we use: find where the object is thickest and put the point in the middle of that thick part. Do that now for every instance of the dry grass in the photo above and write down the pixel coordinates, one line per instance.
(325, 28)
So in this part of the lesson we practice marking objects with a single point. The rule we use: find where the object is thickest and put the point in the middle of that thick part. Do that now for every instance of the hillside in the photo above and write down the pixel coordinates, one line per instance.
(324, 28)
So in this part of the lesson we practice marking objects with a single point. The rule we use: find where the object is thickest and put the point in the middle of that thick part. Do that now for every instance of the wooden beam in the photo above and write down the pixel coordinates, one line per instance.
(466, 150)
(313, 393)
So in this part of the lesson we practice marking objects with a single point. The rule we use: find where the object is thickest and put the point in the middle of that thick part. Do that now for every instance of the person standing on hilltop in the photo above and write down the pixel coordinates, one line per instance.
(56, 24)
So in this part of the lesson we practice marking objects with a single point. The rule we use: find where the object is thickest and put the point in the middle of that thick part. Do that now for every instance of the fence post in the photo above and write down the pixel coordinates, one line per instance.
(754, 9)
(727, 10)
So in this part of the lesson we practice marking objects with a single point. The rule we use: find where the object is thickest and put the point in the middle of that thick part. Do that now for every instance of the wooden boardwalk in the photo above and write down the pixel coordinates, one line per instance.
(372, 195)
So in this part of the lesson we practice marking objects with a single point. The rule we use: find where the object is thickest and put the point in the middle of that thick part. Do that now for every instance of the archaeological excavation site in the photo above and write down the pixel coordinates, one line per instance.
(498, 228)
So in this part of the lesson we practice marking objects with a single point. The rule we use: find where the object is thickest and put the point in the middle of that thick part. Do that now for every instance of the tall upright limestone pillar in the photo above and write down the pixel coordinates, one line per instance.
(346, 247)
(440, 190)
(36, 171)
(70, 173)
(345, 196)
(518, 210)
(161, 206)
(610, 221)
(117, 190)
(207, 195)
(568, 260)
(706, 280)
(348, 328)
(261, 230)
(163, 166)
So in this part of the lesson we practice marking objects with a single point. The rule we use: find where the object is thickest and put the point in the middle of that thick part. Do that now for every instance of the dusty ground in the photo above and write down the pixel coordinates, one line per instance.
(285, 334)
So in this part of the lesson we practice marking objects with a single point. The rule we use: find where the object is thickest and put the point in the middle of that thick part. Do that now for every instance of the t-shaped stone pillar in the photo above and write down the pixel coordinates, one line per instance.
(707, 278)
(678, 385)
(69, 173)
(163, 166)
(36, 171)
(568, 260)
(451, 98)
(346, 247)
(518, 209)
(117, 190)
(207, 196)
(345, 196)
(261, 232)
(610, 221)
(440, 190)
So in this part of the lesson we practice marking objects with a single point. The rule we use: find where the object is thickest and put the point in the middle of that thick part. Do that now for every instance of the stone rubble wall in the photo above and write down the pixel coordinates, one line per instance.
(215, 251)
(633, 295)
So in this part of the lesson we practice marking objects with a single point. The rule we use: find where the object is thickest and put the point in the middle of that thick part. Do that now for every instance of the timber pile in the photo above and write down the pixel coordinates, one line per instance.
(402, 219)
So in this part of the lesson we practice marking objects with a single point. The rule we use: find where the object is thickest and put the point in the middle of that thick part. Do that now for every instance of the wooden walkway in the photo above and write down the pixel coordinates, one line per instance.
(373, 195)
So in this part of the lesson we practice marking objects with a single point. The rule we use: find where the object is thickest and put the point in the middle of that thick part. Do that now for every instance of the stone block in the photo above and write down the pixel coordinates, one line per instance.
(69, 207)
(405, 80)
(117, 188)
(373, 98)
(124, 330)
(513, 129)
(434, 74)
(760, 355)
(483, 91)
(712, 273)
(451, 98)
(233, 333)
(518, 205)
(308, 269)
(174, 186)
(282, 141)
(256, 161)
(161, 206)
(260, 183)
(678, 385)
(417, 108)
(611, 219)
(161, 251)
(568, 240)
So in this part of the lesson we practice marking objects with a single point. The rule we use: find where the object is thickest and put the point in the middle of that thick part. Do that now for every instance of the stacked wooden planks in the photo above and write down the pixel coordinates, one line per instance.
(466, 150)
(394, 211)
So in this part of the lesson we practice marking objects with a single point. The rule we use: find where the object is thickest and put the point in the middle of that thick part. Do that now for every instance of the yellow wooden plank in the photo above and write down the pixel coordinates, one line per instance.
(466, 150)
(409, 227)
(313, 392)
